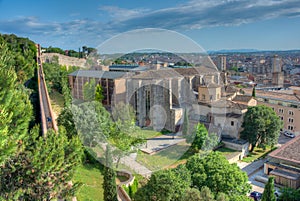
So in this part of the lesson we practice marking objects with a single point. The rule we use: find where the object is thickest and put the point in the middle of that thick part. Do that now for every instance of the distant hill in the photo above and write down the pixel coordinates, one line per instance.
(227, 51)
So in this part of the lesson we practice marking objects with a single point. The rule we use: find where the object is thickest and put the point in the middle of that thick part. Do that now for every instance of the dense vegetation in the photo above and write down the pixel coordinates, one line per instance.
(32, 167)
(22, 53)
(204, 176)
(84, 52)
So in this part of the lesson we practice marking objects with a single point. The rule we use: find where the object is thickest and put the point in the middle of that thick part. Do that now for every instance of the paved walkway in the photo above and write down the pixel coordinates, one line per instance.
(253, 167)
(156, 144)
(130, 161)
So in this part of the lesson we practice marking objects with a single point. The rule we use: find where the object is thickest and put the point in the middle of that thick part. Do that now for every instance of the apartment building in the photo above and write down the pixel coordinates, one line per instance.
(286, 104)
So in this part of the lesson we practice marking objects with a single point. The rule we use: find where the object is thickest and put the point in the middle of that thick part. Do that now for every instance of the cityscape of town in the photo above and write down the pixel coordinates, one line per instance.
(97, 104)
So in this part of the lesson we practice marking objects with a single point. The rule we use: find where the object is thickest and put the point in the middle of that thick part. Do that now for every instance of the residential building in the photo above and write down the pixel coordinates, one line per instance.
(285, 104)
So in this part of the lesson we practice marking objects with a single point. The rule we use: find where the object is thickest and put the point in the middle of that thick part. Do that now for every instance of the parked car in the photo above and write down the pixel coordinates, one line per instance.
(288, 134)
(256, 195)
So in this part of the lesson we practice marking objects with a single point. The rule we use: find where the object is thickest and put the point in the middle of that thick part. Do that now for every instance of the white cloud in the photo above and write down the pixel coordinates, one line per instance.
(195, 14)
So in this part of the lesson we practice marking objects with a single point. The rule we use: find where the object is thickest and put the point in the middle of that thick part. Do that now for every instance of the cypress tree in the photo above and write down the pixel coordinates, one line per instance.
(269, 191)
(109, 183)
(253, 92)
(186, 124)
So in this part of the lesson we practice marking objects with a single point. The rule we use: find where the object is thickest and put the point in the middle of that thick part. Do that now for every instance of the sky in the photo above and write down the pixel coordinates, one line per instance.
(213, 24)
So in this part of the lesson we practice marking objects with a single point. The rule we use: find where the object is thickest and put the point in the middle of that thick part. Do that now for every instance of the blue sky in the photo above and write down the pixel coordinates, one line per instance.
(214, 24)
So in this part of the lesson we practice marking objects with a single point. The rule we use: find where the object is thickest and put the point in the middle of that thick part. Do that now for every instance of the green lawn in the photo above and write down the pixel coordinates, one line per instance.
(92, 179)
(57, 101)
(257, 153)
(228, 153)
(146, 133)
(173, 155)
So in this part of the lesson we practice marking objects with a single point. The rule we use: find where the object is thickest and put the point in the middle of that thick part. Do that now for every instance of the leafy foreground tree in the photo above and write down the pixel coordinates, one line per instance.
(215, 172)
(15, 107)
(42, 171)
(261, 126)
(109, 184)
(165, 185)
(269, 191)
(289, 194)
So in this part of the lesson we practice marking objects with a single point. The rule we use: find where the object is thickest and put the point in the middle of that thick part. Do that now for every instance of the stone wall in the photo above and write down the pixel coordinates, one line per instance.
(64, 60)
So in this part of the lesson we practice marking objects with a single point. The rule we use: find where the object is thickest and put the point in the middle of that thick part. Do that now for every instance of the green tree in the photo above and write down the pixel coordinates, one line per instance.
(261, 126)
(234, 197)
(42, 171)
(109, 183)
(234, 68)
(222, 197)
(15, 108)
(93, 122)
(186, 124)
(211, 141)
(99, 93)
(124, 117)
(206, 194)
(269, 191)
(215, 172)
(89, 90)
(289, 194)
(66, 120)
(165, 185)
(191, 194)
(253, 92)
(198, 137)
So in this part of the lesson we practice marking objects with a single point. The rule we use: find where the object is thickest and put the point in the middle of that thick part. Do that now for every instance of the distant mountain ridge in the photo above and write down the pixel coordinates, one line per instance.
(226, 51)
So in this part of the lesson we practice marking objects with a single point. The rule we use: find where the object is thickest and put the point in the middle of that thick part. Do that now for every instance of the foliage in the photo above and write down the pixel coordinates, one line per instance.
(261, 126)
(93, 122)
(269, 191)
(186, 124)
(239, 198)
(23, 56)
(44, 169)
(215, 172)
(253, 92)
(99, 93)
(198, 137)
(289, 194)
(89, 90)
(109, 183)
(66, 120)
(131, 189)
(51, 49)
(124, 117)
(211, 141)
(56, 76)
(15, 108)
(234, 68)
(191, 194)
(165, 185)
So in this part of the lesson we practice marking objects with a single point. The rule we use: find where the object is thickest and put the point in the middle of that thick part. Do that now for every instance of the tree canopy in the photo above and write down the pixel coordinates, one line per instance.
(42, 171)
(165, 185)
(261, 126)
(15, 107)
(215, 172)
